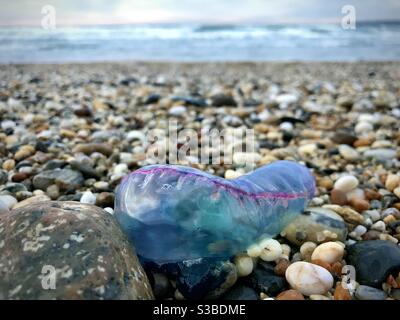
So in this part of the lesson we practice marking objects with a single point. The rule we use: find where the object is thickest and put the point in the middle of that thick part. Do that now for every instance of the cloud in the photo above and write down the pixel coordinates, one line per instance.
(212, 11)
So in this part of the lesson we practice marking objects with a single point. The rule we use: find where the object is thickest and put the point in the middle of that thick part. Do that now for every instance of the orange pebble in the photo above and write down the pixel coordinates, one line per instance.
(341, 293)
(322, 264)
(290, 295)
(359, 205)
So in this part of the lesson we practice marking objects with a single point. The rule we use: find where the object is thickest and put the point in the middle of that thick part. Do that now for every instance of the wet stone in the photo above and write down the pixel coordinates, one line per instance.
(205, 278)
(86, 169)
(90, 148)
(241, 292)
(316, 225)
(91, 257)
(342, 137)
(369, 293)
(54, 164)
(264, 279)
(105, 199)
(374, 261)
(221, 100)
(161, 285)
(14, 188)
(64, 178)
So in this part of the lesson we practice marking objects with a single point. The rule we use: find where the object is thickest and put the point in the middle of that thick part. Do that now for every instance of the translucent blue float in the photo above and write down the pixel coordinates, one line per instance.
(175, 213)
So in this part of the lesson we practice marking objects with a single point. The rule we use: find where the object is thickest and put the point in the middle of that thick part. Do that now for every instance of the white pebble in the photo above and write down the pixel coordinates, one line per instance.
(346, 183)
(25, 170)
(38, 192)
(285, 251)
(177, 111)
(350, 242)
(232, 174)
(270, 249)
(244, 158)
(135, 135)
(308, 149)
(367, 222)
(3, 207)
(286, 99)
(348, 152)
(309, 278)
(7, 124)
(379, 226)
(126, 157)
(264, 115)
(373, 214)
(286, 126)
(109, 210)
(254, 251)
(7, 202)
(317, 201)
(88, 197)
(356, 194)
(244, 265)
(329, 252)
(363, 127)
(101, 185)
(358, 231)
(367, 117)
(121, 168)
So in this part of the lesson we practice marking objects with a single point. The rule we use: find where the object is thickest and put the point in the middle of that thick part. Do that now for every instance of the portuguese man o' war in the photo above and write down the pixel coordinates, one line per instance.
(173, 213)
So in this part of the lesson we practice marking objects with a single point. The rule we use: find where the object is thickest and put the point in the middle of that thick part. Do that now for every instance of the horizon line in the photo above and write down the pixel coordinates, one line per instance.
(204, 23)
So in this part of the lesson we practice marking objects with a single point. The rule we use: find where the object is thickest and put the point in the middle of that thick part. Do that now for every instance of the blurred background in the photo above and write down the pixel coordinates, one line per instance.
(198, 30)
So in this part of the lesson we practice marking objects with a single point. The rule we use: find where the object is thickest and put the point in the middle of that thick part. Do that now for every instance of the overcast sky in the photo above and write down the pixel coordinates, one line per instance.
(73, 12)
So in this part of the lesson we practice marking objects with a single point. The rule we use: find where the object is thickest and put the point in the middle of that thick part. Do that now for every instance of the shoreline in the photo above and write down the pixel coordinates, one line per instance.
(201, 62)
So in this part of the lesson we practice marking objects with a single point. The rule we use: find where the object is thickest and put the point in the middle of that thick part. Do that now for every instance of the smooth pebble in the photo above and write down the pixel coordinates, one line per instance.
(392, 181)
(348, 152)
(363, 127)
(244, 265)
(346, 183)
(177, 111)
(309, 278)
(88, 197)
(329, 252)
(270, 250)
(306, 249)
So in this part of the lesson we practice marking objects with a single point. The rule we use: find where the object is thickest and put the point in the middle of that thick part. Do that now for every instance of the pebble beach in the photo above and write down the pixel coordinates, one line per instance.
(70, 132)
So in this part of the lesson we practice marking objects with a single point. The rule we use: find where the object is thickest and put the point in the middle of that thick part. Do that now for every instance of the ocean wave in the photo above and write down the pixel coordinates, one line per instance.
(202, 42)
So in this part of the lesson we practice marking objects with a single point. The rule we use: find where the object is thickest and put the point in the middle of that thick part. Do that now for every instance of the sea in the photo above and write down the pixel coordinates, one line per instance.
(372, 41)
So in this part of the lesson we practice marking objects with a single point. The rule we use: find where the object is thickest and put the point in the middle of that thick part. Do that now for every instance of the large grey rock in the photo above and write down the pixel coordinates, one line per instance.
(78, 248)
